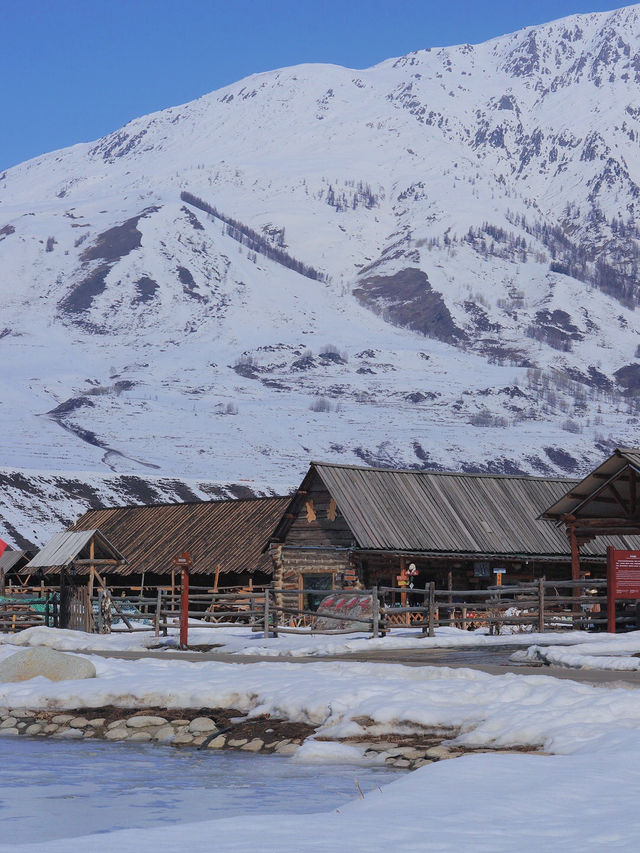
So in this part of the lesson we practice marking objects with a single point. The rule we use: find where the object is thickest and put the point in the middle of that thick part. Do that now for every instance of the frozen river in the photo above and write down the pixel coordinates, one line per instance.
(59, 789)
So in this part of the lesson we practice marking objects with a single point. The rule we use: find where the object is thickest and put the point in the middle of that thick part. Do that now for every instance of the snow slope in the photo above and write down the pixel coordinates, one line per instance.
(433, 262)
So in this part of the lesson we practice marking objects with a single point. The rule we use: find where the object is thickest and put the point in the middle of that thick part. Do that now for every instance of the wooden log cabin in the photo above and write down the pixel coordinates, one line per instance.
(355, 526)
(225, 538)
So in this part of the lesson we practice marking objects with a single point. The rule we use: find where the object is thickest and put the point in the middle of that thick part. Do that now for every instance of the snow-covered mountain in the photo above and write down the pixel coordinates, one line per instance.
(434, 262)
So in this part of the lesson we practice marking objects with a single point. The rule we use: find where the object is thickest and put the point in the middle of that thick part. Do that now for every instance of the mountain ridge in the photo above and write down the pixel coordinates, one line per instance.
(430, 263)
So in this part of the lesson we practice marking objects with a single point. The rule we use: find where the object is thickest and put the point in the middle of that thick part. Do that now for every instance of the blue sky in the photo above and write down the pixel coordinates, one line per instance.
(73, 70)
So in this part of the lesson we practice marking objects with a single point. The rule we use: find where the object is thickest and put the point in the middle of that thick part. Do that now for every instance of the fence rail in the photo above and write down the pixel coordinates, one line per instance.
(541, 605)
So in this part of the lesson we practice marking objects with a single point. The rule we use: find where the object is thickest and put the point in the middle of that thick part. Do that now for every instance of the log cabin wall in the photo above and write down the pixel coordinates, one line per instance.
(316, 520)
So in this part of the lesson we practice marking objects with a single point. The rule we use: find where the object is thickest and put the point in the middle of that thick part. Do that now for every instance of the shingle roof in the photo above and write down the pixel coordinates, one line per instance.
(66, 546)
(423, 511)
(230, 533)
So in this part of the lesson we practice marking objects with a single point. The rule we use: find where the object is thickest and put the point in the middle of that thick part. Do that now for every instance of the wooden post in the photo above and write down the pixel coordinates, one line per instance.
(266, 613)
(278, 603)
(575, 554)
(375, 611)
(158, 611)
(575, 569)
(99, 615)
(611, 592)
(92, 556)
(432, 608)
(184, 609)
(541, 604)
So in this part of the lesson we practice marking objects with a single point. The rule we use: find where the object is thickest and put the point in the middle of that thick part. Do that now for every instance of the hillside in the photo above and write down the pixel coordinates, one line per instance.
(433, 262)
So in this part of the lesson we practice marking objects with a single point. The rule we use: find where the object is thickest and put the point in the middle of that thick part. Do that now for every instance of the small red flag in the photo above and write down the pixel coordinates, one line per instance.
(3, 547)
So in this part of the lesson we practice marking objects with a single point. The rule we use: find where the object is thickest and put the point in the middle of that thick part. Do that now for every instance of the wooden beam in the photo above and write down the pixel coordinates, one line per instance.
(617, 496)
(594, 495)
(575, 553)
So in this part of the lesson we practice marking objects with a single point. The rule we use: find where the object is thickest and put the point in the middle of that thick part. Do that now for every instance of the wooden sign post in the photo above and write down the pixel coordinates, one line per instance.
(184, 563)
(623, 581)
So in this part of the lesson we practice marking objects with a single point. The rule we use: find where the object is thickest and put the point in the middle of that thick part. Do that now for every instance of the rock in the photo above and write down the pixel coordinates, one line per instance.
(438, 752)
(117, 734)
(164, 733)
(96, 722)
(9, 731)
(140, 736)
(179, 723)
(407, 752)
(182, 739)
(142, 722)
(22, 725)
(68, 734)
(61, 719)
(254, 745)
(50, 728)
(79, 723)
(56, 666)
(401, 762)
(202, 725)
(238, 742)
(200, 739)
(8, 723)
(116, 724)
(286, 748)
(217, 742)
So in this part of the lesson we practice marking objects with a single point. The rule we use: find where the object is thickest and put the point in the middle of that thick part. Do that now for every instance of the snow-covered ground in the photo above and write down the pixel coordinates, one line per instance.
(241, 640)
(610, 652)
(582, 796)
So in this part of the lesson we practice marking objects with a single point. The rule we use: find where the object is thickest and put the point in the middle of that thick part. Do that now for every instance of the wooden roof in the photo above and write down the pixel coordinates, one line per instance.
(608, 492)
(447, 513)
(67, 546)
(13, 559)
(229, 533)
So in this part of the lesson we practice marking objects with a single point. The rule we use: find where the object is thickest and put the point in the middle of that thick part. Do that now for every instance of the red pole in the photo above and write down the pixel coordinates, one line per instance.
(611, 591)
(184, 609)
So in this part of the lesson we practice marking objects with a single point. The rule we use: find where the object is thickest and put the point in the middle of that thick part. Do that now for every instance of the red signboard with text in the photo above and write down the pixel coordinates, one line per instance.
(623, 580)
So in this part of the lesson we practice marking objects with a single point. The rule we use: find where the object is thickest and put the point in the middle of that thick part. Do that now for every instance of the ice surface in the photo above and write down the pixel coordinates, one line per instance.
(50, 789)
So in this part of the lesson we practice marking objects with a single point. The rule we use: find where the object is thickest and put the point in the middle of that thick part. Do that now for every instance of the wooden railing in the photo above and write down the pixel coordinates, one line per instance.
(539, 606)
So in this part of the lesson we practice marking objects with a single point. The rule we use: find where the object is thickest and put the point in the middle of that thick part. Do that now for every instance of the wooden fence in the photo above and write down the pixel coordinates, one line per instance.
(539, 606)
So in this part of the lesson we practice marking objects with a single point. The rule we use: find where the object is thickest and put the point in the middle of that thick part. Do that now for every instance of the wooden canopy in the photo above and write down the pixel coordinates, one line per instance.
(605, 504)
(83, 548)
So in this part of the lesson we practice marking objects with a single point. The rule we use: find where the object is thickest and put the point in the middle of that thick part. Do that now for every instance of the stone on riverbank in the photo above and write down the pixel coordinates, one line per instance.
(56, 666)
(142, 722)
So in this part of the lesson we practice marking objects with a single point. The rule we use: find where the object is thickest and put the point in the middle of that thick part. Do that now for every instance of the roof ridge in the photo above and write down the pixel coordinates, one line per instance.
(423, 472)
(190, 503)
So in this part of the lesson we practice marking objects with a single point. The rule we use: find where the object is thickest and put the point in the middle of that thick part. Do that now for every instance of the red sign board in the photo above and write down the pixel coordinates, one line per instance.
(623, 573)
(623, 580)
